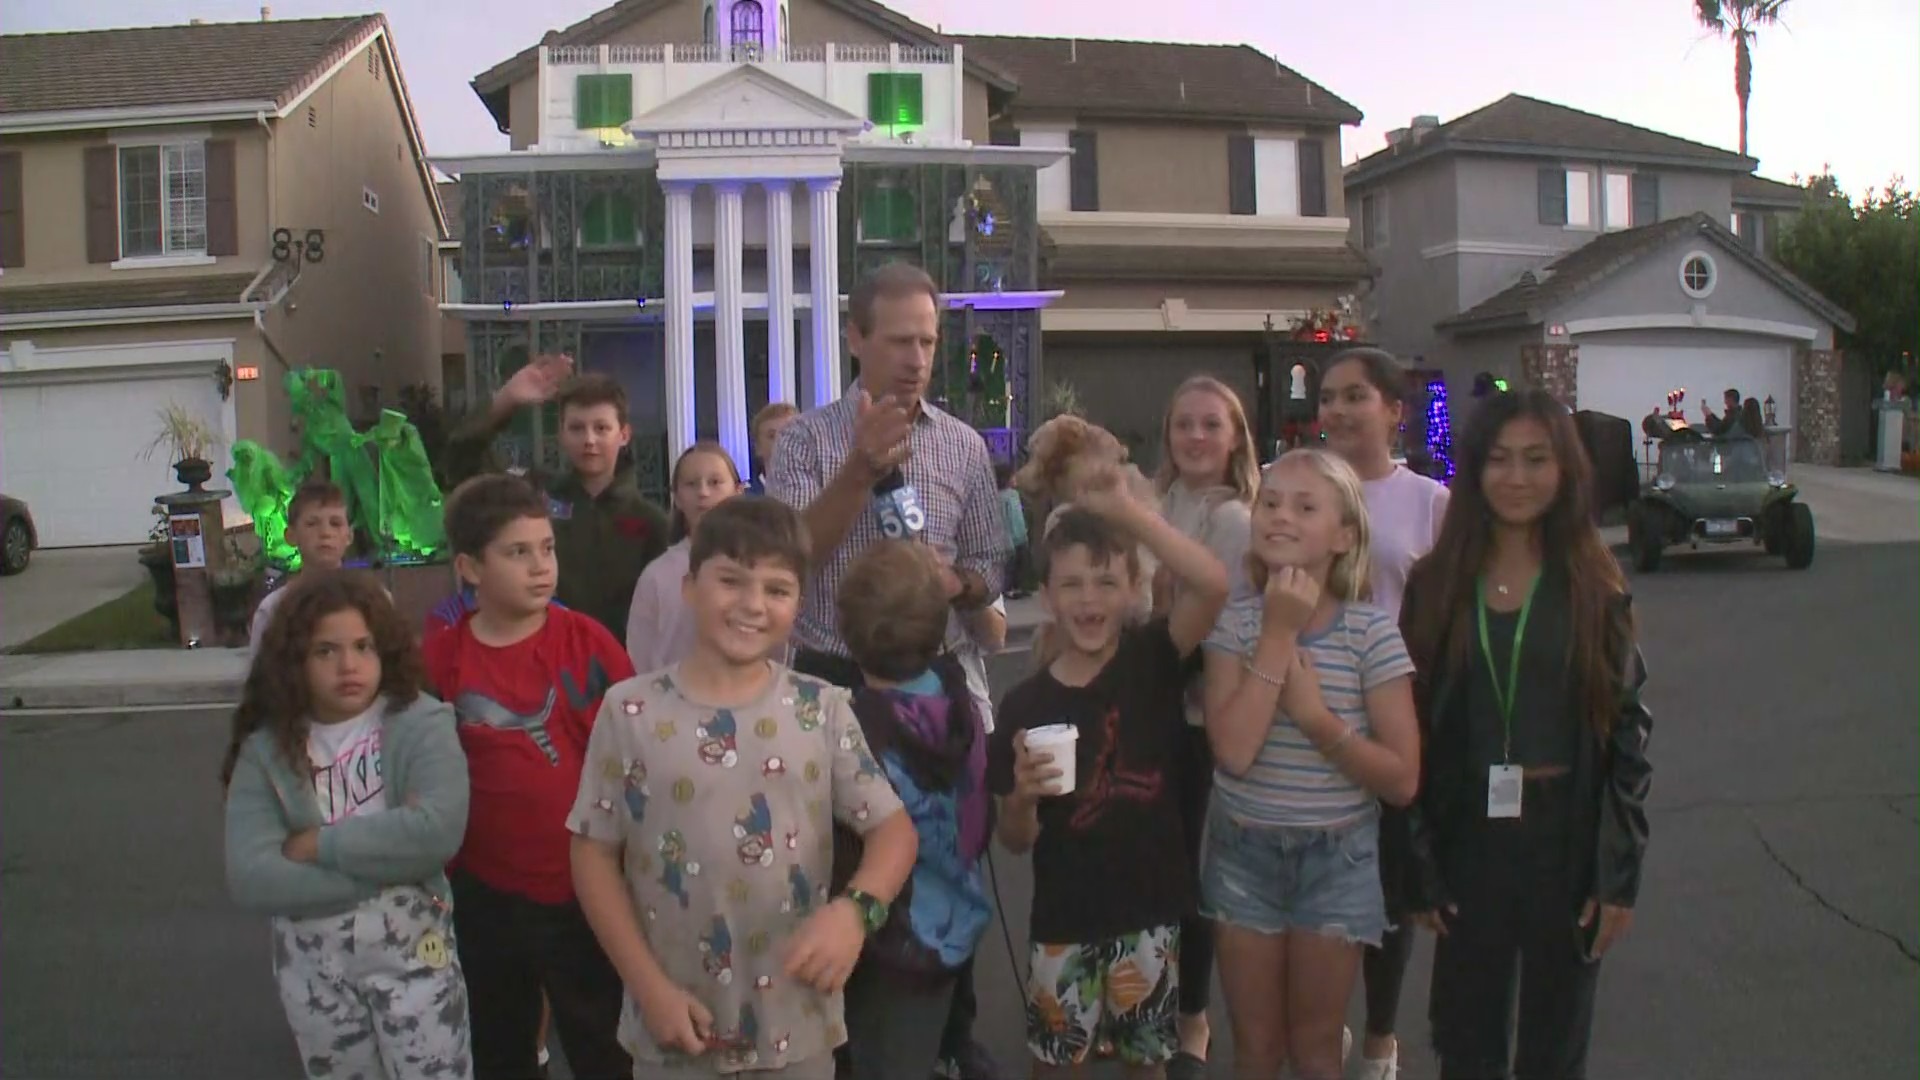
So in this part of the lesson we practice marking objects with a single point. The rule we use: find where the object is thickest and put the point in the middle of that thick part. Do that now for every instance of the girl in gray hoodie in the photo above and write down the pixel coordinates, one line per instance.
(346, 794)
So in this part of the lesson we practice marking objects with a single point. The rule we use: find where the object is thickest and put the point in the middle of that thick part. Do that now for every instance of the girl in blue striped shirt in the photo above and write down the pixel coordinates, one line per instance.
(1310, 714)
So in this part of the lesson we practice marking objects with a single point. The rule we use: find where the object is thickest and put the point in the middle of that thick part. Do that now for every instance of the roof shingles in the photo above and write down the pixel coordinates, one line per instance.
(1534, 296)
(1158, 78)
(172, 65)
(1518, 122)
(150, 292)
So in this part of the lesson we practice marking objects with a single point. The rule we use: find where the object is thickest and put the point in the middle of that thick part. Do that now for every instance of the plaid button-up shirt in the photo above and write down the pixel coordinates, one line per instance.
(948, 467)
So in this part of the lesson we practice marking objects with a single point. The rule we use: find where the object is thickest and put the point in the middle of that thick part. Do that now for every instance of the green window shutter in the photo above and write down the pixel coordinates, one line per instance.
(602, 101)
(608, 221)
(893, 99)
(903, 216)
(888, 214)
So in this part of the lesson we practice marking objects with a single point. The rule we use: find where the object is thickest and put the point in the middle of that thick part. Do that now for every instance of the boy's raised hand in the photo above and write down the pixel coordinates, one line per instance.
(675, 1019)
(823, 951)
(1104, 491)
(1034, 774)
(536, 383)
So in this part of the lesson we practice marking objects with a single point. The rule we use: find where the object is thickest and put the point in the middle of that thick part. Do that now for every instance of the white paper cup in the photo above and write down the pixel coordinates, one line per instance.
(1061, 741)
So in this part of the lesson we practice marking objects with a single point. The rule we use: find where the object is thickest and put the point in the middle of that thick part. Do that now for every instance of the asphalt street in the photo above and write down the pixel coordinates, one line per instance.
(1776, 935)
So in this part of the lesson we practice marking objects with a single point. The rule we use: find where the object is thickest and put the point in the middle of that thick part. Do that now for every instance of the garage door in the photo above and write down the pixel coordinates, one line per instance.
(75, 451)
(1630, 380)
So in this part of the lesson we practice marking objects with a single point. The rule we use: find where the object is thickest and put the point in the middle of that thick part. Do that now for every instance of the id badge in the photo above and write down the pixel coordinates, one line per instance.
(1503, 791)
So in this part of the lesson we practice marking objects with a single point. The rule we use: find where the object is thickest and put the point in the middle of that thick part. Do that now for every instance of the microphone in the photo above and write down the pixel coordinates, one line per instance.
(897, 507)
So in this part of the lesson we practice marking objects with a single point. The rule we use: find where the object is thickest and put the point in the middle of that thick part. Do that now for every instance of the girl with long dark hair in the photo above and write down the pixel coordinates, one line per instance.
(1530, 826)
(1363, 399)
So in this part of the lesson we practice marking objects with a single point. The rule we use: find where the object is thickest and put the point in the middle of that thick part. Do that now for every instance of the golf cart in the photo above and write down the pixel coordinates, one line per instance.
(1717, 491)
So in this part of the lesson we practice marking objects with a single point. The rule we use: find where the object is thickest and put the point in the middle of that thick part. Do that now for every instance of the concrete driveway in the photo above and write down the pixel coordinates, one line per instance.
(60, 584)
(1860, 505)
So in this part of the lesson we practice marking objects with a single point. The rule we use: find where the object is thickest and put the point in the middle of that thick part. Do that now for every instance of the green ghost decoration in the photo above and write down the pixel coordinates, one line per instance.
(390, 494)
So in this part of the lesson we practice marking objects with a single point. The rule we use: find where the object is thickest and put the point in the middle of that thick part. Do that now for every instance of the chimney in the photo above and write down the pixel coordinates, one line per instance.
(196, 22)
(1422, 125)
(1397, 136)
(266, 13)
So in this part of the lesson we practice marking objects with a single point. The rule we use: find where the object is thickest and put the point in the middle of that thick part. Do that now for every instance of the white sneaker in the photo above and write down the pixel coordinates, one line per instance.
(546, 1056)
(1346, 1045)
(1380, 1068)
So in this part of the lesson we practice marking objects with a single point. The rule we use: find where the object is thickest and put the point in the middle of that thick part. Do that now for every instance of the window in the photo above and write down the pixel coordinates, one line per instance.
(1698, 275)
(709, 32)
(1000, 133)
(1618, 208)
(893, 99)
(428, 256)
(748, 24)
(163, 200)
(370, 199)
(1646, 198)
(888, 214)
(1373, 220)
(609, 221)
(602, 101)
(450, 290)
(1083, 171)
(1579, 199)
(1276, 177)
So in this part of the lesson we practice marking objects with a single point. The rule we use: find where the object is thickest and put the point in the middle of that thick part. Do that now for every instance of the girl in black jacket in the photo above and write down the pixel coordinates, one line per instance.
(1530, 825)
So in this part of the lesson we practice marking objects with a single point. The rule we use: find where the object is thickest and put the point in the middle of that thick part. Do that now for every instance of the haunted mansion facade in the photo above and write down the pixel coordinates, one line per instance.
(690, 218)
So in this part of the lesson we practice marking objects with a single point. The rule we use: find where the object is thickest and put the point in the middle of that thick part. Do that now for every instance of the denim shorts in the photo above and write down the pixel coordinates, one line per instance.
(1274, 879)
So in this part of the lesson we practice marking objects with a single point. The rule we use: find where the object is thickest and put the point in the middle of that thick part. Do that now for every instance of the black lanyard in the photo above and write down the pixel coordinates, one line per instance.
(1504, 696)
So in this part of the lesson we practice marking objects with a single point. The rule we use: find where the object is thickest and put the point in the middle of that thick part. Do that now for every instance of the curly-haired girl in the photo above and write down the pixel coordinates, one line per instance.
(346, 794)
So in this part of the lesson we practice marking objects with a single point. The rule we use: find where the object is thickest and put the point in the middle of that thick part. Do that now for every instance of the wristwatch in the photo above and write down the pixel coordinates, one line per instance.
(873, 910)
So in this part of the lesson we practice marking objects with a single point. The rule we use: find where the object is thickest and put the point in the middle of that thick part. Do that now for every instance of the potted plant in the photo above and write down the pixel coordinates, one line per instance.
(189, 441)
(157, 558)
(232, 587)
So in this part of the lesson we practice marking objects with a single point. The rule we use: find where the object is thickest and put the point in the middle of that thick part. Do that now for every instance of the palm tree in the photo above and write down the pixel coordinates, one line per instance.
(1739, 20)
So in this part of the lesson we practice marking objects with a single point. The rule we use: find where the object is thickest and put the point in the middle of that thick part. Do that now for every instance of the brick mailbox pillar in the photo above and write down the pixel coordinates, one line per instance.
(1553, 368)
(1816, 406)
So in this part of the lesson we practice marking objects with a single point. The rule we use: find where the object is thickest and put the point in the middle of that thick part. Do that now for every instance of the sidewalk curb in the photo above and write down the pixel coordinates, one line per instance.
(122, 680)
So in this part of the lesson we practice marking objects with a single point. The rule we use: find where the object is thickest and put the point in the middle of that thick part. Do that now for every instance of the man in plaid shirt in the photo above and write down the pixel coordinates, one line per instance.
(826, 464)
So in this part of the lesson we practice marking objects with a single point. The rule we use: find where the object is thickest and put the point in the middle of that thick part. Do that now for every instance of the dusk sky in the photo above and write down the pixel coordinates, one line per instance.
(1836, 85)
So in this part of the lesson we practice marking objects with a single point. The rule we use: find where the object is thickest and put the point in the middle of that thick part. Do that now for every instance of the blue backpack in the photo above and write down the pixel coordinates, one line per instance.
(939, 917)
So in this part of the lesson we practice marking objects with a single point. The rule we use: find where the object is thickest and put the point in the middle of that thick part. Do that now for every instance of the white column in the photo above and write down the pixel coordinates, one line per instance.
(679, 361)
(780, 380)
(823, 250)
(729, 331)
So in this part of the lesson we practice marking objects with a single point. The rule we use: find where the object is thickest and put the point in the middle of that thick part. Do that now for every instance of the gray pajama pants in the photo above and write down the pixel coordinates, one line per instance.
(376, 993)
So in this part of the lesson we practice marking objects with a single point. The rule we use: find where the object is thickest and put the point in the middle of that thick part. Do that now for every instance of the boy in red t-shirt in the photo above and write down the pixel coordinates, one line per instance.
(525, 677)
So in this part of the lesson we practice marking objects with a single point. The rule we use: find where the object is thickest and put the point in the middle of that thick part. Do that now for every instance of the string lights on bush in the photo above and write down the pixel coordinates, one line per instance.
(1439, 427)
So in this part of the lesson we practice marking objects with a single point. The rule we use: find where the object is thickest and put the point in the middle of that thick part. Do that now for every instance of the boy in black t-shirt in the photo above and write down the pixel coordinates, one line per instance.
(1109, 887)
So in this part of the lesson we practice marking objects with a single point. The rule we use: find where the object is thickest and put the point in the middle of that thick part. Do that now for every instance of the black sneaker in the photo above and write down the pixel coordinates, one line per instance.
(976, 1064)
(1185, 1066)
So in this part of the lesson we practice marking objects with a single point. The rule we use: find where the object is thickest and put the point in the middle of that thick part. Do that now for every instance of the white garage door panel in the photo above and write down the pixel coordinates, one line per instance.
(1630, 380)
(75, 451)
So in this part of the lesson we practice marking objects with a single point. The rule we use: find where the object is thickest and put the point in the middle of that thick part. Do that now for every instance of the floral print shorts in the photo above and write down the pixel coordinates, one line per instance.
(1122, 990)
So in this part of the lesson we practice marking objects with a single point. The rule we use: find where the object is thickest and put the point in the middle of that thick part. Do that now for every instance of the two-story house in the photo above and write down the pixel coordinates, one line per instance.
(1200, 215)
(186, 214)
(694, 185)
(1550, 246)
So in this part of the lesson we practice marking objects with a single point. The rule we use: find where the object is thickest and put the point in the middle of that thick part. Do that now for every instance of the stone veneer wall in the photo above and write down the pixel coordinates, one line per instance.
(1553, 368)
(1816, 406)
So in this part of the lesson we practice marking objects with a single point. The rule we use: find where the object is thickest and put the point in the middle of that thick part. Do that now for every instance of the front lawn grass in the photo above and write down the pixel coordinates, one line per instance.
(125, 622)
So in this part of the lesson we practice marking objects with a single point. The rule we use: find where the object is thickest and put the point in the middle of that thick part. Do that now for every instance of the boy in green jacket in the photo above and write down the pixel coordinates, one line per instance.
(604, 531)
